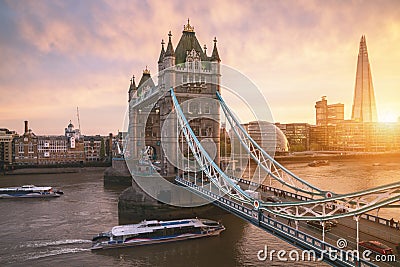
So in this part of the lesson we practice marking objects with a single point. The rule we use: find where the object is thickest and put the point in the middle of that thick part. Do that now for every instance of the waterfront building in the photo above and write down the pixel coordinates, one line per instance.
(318, 138)
(356, 136)
(297, 134)
(328, 114)
(30, 149)
(6, 148)
(70, 131)
(67, 149)
(193, 75)
(366, 137)
(52, 150)
(26, 152)
(94, 148)
(364, 107)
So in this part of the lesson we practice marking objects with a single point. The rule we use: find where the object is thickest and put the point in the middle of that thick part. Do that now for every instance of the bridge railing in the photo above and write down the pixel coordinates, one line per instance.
(380, 220)
(271, 189)
(366, 216)
(279, 229)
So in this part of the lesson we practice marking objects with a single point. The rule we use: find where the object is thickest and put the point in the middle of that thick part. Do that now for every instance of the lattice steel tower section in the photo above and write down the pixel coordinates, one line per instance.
(364, 107)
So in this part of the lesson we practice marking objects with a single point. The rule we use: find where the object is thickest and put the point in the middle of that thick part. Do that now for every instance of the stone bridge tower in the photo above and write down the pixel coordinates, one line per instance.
(194, 76)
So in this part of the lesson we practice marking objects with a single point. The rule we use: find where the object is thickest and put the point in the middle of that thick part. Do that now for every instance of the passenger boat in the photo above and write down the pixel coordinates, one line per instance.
(154, 232)
(29, 191)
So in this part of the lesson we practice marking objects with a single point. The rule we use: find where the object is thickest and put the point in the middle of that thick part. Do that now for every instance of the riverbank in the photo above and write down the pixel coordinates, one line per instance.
(58, 170)
(121, 171)
(337, 156)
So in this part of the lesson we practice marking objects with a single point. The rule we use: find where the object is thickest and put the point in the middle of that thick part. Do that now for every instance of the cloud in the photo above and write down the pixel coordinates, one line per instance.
(57, 55)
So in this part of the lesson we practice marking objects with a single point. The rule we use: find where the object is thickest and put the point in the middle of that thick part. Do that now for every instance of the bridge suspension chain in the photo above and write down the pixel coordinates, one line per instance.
(207, 165)
(339, 206)
(265, 161)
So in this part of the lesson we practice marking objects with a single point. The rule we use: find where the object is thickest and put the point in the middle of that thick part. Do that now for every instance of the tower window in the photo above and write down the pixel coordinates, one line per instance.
(193, 108)
(207, 108)
(21, 148)
(209, 131)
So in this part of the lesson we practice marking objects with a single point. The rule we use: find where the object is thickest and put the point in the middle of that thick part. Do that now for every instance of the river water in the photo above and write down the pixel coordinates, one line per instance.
(48, 232)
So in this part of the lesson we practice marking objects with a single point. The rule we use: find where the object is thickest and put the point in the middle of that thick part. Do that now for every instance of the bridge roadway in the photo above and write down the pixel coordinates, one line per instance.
(307, 237)
(346, 229)
(379, 229)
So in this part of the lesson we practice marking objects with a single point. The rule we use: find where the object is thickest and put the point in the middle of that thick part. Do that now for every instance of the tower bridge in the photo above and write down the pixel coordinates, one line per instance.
(179, 118)
(228, 195)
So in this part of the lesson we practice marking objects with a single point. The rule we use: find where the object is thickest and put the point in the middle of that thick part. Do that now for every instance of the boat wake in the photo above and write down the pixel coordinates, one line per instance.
(36, 250)
(55, 252)
(39, 244)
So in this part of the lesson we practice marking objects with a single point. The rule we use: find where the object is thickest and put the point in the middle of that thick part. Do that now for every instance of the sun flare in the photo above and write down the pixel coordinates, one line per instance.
(389, 117)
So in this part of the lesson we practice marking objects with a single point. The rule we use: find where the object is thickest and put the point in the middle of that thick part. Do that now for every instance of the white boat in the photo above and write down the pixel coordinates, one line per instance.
(29, 191)
(154, 232)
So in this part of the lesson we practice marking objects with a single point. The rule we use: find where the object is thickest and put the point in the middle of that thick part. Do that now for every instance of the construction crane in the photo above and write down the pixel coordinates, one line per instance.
(79, 122)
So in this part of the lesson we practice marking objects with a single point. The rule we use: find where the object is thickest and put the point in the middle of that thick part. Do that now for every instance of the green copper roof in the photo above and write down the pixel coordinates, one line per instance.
(188, 42)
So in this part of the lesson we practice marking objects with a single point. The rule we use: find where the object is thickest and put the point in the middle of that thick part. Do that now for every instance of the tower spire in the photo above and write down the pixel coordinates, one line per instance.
(215, 55)
(170, 50)
(162, 53)
(132, 88)
(364, 106)
(146, 71)
(188, 27)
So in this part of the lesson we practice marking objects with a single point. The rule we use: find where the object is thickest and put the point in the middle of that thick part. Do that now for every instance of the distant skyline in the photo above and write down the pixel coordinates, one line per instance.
(57, 55)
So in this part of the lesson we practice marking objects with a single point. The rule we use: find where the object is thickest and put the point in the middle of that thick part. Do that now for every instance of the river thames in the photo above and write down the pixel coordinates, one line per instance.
(48, 232)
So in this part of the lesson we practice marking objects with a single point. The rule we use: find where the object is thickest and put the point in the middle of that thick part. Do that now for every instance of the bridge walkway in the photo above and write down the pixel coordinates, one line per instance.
(370, 227)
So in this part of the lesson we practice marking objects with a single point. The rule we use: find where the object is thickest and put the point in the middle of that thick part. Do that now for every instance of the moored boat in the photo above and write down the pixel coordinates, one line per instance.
(317, 163)
(31, 191)
(154, 232)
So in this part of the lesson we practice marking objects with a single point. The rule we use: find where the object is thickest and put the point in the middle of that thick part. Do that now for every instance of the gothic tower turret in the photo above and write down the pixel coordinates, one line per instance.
(161, 58)
(169, 56)
(168, 63)
(161, 64)
(132, 88)
(216, 66)
(215, 55)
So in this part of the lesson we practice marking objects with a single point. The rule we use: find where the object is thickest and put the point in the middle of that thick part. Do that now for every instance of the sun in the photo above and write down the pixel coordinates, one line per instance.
(388, 117)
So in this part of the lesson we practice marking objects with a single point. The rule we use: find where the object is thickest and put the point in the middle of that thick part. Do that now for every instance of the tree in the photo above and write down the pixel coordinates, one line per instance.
(102, 149)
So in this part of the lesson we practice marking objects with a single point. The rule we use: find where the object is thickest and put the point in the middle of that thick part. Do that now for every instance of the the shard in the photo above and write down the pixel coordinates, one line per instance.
(364, 107)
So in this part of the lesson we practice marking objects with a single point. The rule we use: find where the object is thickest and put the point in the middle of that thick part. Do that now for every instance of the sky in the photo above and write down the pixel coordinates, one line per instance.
(56, 56)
